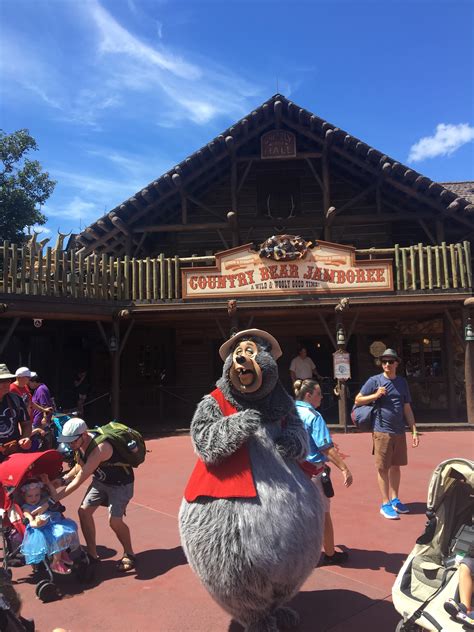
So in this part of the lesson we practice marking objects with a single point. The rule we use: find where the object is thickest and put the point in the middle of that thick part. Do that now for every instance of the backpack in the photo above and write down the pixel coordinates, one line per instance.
(363, 417)
(120, 436)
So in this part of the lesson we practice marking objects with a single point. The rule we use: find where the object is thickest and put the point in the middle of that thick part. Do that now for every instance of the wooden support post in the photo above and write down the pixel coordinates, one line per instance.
(233, 183)
(342, 403)
(440, 234)
(184, 208)
(469, 365)
(234, 319)
(115, 361)
(448, 345)
(8, 334)
(234, 227)
(326, 193)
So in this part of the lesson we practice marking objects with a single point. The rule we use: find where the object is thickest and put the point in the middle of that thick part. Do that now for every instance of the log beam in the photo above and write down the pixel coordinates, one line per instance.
(178, 228)
(8, 334)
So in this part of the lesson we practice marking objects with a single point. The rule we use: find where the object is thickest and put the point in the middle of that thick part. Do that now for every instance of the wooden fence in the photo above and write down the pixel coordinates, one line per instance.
(103, 277)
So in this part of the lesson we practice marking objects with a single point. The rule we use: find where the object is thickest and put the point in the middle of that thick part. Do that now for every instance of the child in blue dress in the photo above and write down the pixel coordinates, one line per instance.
(48, 533)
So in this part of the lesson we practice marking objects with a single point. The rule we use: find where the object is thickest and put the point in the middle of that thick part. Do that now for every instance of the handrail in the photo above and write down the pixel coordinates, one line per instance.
(108, 278)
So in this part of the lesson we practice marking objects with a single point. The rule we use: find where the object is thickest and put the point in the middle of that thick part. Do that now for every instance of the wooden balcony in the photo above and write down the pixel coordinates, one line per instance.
(430, 269)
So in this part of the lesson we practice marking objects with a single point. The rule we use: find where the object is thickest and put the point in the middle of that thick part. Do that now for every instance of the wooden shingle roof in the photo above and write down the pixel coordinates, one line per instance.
(462, 189)
(110, 231)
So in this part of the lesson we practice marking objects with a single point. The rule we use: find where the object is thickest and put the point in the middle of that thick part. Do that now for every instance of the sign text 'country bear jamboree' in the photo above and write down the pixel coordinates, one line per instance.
(325, 269)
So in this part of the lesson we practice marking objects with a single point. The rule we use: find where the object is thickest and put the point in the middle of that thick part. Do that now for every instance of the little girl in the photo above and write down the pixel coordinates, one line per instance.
(47, 534)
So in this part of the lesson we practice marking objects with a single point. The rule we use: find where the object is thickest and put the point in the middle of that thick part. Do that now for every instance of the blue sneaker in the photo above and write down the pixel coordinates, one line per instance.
(389, 512)
(399, 506)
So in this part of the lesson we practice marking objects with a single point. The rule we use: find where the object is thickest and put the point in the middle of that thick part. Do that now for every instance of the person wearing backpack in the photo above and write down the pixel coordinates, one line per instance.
(108, 456)
(392, 395)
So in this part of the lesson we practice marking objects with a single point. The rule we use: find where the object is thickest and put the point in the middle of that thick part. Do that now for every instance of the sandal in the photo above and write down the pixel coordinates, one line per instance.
(127, 563)
(60, 569)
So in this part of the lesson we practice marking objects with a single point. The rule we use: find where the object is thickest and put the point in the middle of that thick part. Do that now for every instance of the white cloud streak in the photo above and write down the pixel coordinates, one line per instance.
(123, 73)
(445, 141)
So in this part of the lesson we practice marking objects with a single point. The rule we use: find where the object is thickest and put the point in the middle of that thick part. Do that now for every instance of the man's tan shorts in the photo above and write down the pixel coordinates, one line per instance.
(389, 449)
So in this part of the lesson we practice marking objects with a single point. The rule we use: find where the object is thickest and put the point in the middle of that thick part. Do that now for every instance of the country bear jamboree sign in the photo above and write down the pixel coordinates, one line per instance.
(325, 269)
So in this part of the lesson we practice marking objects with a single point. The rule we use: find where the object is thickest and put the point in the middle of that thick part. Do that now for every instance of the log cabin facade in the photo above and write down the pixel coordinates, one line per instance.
(118, 304)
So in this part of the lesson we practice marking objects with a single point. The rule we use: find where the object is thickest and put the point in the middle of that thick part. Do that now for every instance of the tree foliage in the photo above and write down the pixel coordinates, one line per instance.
(24, 186)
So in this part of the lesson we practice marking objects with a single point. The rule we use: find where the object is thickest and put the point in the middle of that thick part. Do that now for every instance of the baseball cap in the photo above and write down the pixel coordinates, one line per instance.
(72, 430)
(23, 371)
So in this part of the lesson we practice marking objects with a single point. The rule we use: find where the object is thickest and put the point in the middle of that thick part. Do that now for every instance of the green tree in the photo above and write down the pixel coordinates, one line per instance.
(24, 186)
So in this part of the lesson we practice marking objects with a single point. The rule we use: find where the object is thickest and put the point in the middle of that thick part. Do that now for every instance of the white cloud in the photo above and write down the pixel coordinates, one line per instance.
(77, 209)
(446, 140)
(44, 230)
(121, 75)
(116, 39)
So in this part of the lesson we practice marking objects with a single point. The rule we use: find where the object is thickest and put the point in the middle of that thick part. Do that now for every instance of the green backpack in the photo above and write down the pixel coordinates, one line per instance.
(120, 437)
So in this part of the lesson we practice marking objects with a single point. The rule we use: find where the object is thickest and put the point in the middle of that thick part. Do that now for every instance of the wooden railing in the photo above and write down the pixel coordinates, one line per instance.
(103, 277)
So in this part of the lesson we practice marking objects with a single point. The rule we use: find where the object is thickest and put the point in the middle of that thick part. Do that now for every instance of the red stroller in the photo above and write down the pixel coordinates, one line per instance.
(16, 470)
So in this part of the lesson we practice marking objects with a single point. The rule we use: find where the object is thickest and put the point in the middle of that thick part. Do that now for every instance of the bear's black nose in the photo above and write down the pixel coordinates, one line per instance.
(240, 360)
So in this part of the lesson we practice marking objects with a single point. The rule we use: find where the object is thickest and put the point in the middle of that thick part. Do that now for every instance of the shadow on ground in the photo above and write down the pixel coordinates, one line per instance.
(417, 508)
(156, 562)
(331, 610)
(373, 560)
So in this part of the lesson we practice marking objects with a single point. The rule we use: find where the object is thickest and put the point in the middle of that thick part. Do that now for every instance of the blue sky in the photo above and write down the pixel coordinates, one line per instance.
(118, 91)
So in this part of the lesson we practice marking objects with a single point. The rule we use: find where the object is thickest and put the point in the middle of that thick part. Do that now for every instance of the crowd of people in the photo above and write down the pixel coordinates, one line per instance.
(26, 409)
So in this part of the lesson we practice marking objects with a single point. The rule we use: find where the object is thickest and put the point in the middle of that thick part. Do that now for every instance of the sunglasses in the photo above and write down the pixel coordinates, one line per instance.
(388, 361)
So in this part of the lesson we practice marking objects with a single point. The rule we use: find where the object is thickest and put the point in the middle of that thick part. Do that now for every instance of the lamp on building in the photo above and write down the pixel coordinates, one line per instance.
(469, 331)
(113, 345)
(340, 336)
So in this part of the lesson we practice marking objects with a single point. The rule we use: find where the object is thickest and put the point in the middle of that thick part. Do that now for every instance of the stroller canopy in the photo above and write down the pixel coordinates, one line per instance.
(19, 467)
(444, 477)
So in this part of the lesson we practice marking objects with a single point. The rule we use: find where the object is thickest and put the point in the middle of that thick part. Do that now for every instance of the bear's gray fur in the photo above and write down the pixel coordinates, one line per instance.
(253, 554)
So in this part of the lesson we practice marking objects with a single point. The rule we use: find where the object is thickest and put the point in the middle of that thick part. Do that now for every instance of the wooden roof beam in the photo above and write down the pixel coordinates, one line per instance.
(387, 169)
(178, 228)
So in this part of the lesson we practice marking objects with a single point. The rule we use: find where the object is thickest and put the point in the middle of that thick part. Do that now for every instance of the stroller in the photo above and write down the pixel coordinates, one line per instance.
(430, 575)
(14, 472)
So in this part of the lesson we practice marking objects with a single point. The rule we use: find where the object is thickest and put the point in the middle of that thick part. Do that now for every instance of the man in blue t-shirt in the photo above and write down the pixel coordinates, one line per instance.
(391, 395)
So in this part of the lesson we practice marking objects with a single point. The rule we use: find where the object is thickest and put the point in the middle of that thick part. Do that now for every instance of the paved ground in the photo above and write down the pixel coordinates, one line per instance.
(165, 596)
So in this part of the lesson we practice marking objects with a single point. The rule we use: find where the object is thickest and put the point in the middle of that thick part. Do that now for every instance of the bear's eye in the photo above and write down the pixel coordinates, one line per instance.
(250, 351)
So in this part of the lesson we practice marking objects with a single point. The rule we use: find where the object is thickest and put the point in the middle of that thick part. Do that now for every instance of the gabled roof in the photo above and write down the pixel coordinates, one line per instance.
(462, 189)
(111, 229)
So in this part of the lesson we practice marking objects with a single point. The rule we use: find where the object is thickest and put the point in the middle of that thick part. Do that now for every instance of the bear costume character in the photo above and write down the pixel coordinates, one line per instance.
(251, 521)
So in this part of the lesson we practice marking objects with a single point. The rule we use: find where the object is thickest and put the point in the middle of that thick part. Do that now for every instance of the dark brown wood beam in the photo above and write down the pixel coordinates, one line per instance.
(8, 334)
(152, 201)
(203, 206)
(184, 208)
(244, 175)
(363, 164)
(177, 228)
(315, 173)
(326, 192)
(232, 218)
(360, 196)
(299, 156)
(427, 230)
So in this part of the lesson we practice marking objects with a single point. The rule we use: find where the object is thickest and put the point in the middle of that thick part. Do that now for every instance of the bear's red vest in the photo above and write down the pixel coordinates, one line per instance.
(231, 478)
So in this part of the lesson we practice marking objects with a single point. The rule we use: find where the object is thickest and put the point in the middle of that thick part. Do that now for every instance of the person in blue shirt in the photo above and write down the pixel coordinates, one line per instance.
(392, 395)
(308, 399)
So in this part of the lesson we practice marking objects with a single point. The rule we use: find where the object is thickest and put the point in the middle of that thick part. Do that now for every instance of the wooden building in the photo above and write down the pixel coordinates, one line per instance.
(121, 304)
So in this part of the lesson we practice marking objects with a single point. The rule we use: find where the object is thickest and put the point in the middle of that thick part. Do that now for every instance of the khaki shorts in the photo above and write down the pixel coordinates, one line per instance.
(325, 501)
(389, 449)
(115, 497)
